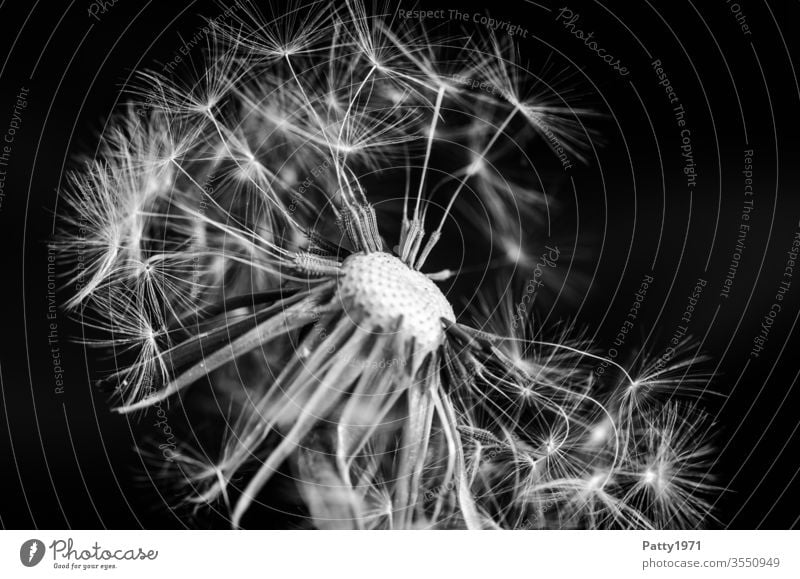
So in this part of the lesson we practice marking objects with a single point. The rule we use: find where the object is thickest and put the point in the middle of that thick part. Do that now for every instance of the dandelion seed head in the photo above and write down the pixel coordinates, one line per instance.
(227, 235)
(379, 291)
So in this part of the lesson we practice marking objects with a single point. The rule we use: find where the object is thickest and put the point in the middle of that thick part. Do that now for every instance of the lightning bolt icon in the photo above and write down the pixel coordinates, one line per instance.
(34, 548)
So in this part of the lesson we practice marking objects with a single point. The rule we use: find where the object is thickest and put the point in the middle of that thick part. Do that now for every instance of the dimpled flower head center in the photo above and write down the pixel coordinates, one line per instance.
(377, 289)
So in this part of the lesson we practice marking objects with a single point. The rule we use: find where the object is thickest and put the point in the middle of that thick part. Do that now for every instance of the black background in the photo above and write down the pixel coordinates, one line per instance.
(68, 462)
